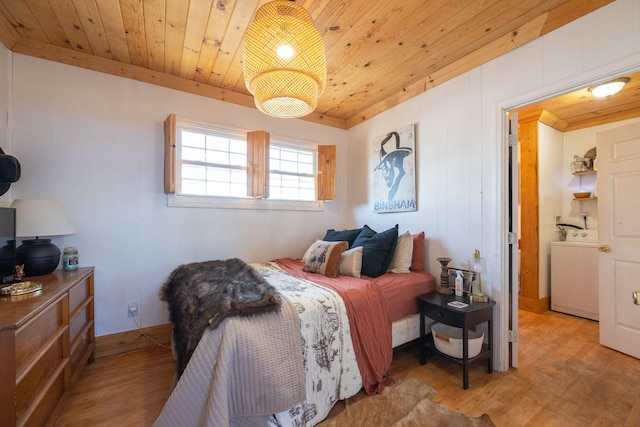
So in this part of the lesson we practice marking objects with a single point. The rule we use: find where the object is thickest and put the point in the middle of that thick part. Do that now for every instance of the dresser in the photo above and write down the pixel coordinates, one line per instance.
(46, 339)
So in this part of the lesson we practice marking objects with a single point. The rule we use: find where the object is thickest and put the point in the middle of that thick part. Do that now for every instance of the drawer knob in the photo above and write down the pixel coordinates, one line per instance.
(440, 314)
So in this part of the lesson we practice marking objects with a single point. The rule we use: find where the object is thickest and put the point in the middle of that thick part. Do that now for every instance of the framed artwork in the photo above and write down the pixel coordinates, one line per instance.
(467, 277)
(394, 178)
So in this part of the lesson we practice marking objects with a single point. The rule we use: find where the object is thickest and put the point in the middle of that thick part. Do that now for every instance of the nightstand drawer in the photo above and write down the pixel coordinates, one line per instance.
(443, 316)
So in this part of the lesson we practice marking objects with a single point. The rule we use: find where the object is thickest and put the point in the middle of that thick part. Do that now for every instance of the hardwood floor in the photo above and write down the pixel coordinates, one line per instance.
(564, 378)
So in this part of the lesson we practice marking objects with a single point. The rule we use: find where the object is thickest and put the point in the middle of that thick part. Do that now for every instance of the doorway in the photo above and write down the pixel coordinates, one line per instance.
(553, 101)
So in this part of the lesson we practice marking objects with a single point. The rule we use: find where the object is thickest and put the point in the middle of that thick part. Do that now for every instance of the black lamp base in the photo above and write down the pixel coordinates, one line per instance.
(39, 256)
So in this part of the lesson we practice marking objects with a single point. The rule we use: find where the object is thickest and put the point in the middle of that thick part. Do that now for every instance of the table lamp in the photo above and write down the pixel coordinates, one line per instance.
(36, 218)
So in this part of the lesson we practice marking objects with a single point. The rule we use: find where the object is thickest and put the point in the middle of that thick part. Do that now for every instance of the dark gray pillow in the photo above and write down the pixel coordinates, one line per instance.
(338, 236)
(377, 249)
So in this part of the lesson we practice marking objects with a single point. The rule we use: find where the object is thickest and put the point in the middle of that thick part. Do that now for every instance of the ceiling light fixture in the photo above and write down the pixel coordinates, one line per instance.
(605, 90)
(284, 60)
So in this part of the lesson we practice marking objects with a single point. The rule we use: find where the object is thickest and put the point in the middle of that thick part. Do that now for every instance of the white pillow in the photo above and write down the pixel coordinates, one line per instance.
(401, 261)
(351, 262)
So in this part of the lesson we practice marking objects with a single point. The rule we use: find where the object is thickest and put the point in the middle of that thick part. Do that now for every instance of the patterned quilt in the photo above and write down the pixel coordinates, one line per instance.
(331, 370)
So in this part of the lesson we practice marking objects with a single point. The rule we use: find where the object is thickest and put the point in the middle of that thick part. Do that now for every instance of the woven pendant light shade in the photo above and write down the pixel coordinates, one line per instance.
(284, 60)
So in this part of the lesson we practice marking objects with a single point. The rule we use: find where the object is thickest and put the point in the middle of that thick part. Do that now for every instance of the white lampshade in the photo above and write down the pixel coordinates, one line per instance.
(40, 218)
(605, 90)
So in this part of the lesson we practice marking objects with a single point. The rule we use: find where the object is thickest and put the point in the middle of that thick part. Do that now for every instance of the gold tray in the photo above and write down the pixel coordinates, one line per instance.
(21, 288)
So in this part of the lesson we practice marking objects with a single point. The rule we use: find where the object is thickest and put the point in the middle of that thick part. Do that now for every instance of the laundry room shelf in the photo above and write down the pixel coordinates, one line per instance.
(589, 172)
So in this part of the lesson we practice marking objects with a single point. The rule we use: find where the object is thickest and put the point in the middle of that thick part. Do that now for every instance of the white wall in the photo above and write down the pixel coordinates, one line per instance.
(550, 192)
(461, 165)
(94, 142)
(5, 103)
(578, 142)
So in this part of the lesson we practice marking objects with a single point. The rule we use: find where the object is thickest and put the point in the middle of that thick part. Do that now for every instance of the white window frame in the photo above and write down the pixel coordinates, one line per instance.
(217, 202)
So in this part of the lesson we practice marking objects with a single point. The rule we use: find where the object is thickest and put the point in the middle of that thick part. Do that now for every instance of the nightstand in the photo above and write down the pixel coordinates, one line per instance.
(435, 306)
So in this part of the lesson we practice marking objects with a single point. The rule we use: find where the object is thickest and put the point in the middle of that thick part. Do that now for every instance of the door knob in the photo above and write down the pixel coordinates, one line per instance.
(605, 248)
(636, 297)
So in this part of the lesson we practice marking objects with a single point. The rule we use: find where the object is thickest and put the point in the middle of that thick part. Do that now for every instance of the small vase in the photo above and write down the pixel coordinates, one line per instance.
(444, 277)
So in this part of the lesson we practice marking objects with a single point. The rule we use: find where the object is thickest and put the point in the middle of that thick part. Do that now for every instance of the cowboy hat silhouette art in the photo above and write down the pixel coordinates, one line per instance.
(391, 162)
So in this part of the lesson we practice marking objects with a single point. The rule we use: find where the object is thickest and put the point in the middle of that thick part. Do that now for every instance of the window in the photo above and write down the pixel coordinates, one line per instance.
(206, 166)
(211, 164)
(292, 173)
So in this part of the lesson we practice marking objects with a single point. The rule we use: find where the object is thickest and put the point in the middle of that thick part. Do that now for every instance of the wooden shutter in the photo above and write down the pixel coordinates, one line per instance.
(170, 143)
(326, 172)
(258, 164)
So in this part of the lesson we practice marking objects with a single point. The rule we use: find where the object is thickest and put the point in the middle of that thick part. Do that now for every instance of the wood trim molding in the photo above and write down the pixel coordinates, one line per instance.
(534, 305)
(104, 65)
(123, 342)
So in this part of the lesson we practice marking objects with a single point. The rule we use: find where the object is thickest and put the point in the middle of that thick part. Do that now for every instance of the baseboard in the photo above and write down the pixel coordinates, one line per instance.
(534, 305)
(122, 342)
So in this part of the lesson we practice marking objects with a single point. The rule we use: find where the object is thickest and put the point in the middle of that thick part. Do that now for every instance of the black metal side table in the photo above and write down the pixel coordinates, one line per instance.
(435, 306)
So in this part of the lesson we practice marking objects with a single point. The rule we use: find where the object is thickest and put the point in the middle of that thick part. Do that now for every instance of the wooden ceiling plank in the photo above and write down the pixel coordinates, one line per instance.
(388, 80)
(357, 58)
(418, 28)
(89, 15)
(240, 18)
(213, 36)
(176, 23)
(66, 13)
(508, 42)
(47, 19)
(607, 107)
(114, 31)
(8, 34)
(447, 50)
(23, 20)
(197, 19)
(379, 29)
(133, 21)
(154, 25)
(633, 112)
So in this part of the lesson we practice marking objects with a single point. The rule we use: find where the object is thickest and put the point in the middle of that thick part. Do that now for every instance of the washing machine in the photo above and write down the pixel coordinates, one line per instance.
(574, 274)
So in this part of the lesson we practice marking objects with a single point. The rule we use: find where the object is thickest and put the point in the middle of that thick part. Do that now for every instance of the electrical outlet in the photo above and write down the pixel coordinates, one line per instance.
(133, 309)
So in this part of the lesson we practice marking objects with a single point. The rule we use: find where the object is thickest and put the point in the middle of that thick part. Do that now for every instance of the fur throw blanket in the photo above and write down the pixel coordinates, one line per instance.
(203, 294)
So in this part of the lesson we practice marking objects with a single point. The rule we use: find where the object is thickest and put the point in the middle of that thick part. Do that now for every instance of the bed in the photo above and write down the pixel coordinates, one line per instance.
(338, 340)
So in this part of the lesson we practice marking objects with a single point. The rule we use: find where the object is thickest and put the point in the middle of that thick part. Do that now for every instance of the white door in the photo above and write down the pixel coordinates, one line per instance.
(618, 153)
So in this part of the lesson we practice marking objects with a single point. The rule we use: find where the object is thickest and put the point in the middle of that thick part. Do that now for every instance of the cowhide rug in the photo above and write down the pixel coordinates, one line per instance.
(406, 403)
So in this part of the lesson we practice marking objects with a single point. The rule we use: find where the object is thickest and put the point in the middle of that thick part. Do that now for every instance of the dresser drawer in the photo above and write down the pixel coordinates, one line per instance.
(78, 294)
(47, 401)
(80, 353)
(31, 338)
(49, 361)
(78, 323)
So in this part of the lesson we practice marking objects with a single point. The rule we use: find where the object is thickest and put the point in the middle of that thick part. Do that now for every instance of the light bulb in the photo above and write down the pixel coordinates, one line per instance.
(285, 51)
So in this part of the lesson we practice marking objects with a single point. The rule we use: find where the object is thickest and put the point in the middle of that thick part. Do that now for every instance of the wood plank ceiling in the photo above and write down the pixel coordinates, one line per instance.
(379, 52)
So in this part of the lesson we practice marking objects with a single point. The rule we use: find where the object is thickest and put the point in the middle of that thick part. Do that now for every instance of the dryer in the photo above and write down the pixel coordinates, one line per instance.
(574, 274)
